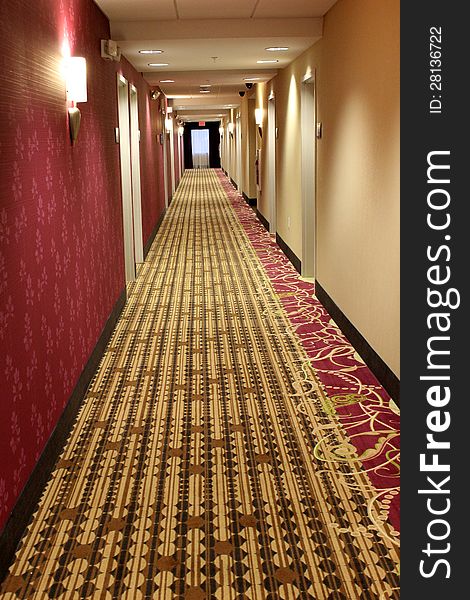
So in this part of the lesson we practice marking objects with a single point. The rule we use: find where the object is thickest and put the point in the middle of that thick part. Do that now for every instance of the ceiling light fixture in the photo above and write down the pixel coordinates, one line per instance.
(204, 91)
(264, 62)
(277, 48)
(158, 64)
(150, 51)
(251, 78)
(205, 85)
(167, 81)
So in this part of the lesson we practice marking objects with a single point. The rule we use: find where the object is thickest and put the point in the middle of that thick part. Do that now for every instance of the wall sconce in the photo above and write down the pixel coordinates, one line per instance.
(75, 82)
(180, 130)
(231, 128)
(168, 125)
(154, 94)
(259, 120)
(221, 131)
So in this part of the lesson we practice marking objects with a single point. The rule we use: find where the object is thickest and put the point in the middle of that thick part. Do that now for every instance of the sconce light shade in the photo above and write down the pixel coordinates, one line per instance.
(231, 128)
(180, 130)
(75, 118)
(76, 79)
(259, 116)
(221, 131)
(154, 94)
(168, 125)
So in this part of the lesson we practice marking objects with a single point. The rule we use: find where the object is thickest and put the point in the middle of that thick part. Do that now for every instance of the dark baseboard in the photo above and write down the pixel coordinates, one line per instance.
(263, 219)
(27, 502)
(154, 233)
(295, 260)
(250, 201)
(384, 374)
(233, 183)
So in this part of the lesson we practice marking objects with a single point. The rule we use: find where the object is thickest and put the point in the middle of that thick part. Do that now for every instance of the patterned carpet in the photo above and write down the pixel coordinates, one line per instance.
(366, 412)
(202, 462)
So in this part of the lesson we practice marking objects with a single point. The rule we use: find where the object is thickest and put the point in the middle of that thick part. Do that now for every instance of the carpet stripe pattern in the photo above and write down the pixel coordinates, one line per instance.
(202, 463)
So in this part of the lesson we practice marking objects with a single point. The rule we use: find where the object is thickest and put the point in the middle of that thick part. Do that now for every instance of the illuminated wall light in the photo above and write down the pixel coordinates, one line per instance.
(231, 128)
(76, 91)
(168, 125)
(259, 120)
(221, 131)
(75, 73)
(180, 130)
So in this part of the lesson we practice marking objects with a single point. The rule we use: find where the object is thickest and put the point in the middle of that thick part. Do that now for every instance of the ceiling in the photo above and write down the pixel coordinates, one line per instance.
(214, 43)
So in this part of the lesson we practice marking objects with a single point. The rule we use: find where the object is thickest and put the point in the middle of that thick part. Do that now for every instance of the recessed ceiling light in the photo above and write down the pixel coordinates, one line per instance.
(204, 91)
(205, 85)
(150, 51)
(277, 49)
(158, 64)
(263, 62)
(251, 78)
(167, 81)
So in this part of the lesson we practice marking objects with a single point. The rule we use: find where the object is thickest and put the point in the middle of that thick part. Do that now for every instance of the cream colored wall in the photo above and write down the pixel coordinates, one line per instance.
(357, 73)
(262, 92)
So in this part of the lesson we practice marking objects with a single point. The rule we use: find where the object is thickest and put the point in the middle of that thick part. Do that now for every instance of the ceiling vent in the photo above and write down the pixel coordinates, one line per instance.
(110, 50)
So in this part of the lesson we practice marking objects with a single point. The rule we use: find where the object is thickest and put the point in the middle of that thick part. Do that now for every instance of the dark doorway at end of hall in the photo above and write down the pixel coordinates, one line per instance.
(214, 143)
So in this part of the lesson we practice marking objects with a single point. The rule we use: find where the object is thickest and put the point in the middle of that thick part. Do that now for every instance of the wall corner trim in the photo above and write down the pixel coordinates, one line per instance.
(295, 260)
(152, 236)
(376, 364)
(263, 220)
(27, 502)
(250, 201)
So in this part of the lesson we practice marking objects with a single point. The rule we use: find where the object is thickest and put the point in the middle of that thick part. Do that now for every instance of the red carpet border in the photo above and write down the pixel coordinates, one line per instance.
(364, 408)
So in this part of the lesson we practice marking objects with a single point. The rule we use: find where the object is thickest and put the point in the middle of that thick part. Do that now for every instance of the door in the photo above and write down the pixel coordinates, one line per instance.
(126, 178)
(239, 169)
(308, 128)
(271, 165)
(135, 171)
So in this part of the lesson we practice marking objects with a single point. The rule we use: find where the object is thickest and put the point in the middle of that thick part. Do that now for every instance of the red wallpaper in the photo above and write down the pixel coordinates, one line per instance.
(61, 245)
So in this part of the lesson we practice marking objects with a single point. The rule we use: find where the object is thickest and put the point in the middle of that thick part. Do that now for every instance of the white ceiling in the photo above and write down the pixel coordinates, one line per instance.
(216, 42)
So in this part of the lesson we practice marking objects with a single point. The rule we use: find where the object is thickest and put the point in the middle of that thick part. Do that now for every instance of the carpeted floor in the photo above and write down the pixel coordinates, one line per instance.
(366, 412)
(202, 464)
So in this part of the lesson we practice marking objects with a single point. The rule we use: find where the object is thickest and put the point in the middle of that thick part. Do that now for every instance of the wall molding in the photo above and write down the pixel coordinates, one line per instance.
(263, 220)
(154, 233)
(27, 502)
(379, 368)
(250, 201)
(295, 260)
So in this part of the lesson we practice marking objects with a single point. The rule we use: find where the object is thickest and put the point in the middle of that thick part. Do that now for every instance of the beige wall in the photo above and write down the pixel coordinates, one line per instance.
(262, 92)
(356, 65)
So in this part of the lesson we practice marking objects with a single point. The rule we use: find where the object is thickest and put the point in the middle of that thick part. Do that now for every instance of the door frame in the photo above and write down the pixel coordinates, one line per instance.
(271, 164)
(126, 176)
(308, 174)
(135, 172)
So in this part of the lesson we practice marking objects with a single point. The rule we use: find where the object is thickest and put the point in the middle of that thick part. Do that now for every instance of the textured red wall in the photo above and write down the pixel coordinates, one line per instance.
(61, 243)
